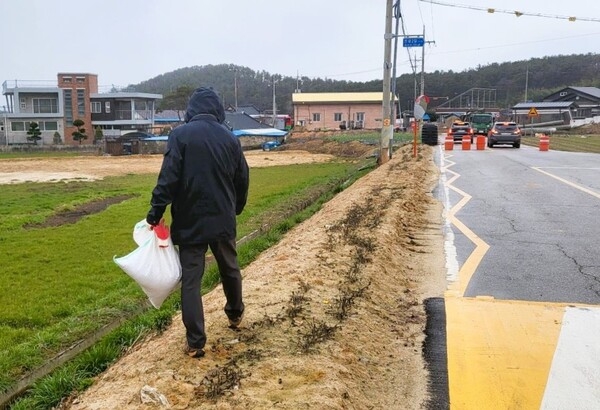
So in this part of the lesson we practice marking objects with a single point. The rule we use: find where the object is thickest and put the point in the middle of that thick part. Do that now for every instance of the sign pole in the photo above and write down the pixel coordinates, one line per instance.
(416, 127)
(419, 112)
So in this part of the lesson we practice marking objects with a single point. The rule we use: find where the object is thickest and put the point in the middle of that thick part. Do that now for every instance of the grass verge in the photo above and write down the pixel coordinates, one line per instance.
(306, 189)
(570, 143)
(373, 138)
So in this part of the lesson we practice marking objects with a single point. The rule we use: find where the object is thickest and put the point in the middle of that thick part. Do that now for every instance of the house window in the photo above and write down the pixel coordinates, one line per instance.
(337, 116)
(45, 105)
(68, 94)
(107, 107)
(316, 117)
(80, 80)
(48, 126)
(23, 103)
(96, 107)
(66, 79)
(80, 102)
(17, 126)
(360, 116)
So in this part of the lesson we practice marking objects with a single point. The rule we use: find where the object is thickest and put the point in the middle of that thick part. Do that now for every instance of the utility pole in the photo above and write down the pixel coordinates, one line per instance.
(394, 112)
(526, 82)
(415, 75)
(298, 81)
(423, 65)
(235, 94)
(274, 105)
(235, 87)
(423, 62)
(387, 130)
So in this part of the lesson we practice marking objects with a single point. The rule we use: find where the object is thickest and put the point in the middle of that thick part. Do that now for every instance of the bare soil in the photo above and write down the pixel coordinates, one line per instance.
(86, 168)
(334, 312)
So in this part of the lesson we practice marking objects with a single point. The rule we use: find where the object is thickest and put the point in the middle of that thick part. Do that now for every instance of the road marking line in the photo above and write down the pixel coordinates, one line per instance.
(572, 184)
(500, 352)
(585, 168)
(461, 279)
(452, 267)
(575, 371)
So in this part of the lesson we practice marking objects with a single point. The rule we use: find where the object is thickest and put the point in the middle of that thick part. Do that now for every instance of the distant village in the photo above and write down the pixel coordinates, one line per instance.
(71, 112)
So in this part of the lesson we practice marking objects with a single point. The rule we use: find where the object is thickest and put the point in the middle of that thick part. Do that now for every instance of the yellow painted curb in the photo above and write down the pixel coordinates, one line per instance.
(499, 352)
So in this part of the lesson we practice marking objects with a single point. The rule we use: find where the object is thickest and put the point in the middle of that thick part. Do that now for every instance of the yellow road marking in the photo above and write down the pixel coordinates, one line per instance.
(468, 269)
(500, 352)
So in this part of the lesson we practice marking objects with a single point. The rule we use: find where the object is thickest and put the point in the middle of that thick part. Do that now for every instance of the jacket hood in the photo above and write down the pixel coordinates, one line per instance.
(205, 101)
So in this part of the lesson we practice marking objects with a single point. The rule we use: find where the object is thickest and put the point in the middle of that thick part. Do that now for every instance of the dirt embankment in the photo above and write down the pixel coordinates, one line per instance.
(334, 313)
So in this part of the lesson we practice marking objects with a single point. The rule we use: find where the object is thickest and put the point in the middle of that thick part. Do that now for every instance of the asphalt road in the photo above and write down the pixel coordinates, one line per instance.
(523, 266)
(540, 214)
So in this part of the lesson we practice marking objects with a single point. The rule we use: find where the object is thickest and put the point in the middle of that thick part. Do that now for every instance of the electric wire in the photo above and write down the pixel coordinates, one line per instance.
(516, 44)
(398, 14)
(515, 12)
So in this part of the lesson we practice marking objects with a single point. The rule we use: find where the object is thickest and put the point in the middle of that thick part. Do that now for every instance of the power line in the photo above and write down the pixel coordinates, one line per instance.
(515, 12)
(398, 15)
(515, 44)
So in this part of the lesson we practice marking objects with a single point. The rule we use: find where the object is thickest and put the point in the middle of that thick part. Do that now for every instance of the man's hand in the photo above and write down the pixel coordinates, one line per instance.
(152, 218)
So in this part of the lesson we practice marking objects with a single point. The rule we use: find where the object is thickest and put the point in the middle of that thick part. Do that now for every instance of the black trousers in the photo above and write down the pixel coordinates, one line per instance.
(192, 258)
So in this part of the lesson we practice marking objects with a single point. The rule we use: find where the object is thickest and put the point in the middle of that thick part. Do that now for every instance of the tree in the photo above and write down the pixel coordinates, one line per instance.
(34, 132)
(177, 100)
(79, 135)
(98, 134)
(57, 139)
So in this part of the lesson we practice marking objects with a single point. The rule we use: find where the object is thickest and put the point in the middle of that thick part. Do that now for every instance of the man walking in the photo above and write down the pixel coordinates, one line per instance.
(204, 177)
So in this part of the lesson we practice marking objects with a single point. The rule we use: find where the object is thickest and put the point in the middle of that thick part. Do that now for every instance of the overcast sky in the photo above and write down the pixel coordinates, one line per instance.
(129, 41)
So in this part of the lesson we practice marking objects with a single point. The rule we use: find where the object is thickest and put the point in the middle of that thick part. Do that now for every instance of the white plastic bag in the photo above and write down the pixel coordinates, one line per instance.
(155, 268)
(142, 232)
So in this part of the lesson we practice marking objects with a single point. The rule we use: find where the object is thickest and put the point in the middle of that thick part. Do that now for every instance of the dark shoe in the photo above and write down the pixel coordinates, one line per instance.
(193, 352)
(234, 323)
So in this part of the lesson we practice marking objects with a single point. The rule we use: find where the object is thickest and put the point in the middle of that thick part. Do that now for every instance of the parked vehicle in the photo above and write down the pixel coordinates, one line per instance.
(459, 129)
(505, 133)
(270, 145)
(137, 135)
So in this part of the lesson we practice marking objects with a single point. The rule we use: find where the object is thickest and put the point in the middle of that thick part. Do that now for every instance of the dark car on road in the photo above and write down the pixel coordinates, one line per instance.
(459, 129)
(504, 133)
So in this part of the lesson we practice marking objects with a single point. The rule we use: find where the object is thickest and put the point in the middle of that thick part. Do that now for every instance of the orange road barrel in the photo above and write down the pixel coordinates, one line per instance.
(449, 143)
(466, 143)
(480, 142)
(544, 142)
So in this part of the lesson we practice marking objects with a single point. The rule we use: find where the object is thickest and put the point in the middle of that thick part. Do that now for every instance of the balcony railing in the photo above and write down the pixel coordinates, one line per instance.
(10, 84)
(137, 115)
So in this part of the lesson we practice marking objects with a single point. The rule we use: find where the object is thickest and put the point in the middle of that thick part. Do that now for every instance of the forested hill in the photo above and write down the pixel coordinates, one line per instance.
(545, 75)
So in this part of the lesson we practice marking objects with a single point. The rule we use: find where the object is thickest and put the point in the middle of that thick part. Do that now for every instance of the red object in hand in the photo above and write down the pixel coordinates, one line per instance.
(162, 234)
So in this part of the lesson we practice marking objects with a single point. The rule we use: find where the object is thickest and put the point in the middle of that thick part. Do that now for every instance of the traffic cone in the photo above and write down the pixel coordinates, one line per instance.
(544, 142)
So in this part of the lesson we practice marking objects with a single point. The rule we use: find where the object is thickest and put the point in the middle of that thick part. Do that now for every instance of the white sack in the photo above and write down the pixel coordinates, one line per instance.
(156, 269)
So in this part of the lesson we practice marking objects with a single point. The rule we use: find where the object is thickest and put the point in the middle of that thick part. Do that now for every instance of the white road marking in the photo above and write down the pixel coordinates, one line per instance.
(579, 187)
(452, 266)
(574, 377)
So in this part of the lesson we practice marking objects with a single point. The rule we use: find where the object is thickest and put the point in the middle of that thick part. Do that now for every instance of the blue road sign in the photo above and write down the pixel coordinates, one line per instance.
(413, 41)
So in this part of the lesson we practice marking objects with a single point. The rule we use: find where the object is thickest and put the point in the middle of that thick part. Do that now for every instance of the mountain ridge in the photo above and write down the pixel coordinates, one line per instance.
(543, 76)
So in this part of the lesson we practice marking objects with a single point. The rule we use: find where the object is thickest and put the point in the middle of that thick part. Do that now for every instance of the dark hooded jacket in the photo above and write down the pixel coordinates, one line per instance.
(204, 175)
